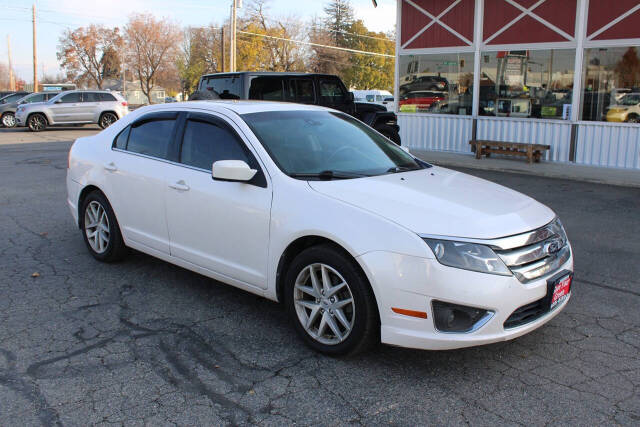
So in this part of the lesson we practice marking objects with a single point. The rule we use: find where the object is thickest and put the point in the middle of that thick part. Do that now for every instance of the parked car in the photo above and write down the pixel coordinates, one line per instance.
(8, 111)
(420, 100)
(316, 89)
(627, 109)
(73, 107)
(13, 97)
(308, 206)
(433, 83)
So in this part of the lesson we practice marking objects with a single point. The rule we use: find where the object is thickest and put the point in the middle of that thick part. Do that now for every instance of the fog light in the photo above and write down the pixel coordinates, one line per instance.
(458, 318)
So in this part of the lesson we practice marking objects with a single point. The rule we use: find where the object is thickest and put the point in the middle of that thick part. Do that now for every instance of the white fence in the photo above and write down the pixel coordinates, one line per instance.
(597, 143)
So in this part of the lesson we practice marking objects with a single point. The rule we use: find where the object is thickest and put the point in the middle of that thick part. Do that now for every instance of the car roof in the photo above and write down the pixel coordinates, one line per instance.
(238, 107)
(269, 73)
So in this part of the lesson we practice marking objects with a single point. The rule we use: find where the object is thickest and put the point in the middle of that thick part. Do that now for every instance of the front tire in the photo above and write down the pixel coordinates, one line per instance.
(8, 120)
(330, 302)
(633, 118)
(37, 122)
(107, 119)
(100, 229)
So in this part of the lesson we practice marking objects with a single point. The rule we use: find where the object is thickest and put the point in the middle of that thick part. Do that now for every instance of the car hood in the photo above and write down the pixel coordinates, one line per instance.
(8, 107)
(442, 202)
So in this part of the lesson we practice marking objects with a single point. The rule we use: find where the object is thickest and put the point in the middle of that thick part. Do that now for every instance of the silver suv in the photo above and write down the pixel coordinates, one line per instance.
(73, 107)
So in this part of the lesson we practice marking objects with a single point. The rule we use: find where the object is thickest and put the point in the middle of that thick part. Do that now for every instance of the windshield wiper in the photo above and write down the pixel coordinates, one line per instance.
(398, 169)
(328, 175)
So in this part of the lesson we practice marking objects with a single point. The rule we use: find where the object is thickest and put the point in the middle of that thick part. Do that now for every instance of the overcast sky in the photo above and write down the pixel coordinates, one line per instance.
(54, 16)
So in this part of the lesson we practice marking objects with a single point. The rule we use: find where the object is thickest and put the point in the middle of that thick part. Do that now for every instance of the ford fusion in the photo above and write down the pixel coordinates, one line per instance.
(360, 241)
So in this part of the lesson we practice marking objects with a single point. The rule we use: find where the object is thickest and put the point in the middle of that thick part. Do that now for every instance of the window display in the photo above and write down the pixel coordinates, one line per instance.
(527, 83)
(440, 84)
(611, 84)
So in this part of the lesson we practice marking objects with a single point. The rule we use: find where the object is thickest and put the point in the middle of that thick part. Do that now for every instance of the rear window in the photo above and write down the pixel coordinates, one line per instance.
(151, 138)
(227, 87)
(266, 89)
(104, 97)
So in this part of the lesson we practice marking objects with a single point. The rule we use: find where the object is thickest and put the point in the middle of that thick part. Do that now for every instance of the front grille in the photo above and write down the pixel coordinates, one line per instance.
(535, 254)
(527, 313)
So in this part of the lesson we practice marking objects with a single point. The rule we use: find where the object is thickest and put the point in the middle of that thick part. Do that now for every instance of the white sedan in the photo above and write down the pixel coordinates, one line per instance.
(359, 240)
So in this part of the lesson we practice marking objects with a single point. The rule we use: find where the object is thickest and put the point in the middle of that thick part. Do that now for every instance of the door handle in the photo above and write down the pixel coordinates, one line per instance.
(180, 186)
(111, 167)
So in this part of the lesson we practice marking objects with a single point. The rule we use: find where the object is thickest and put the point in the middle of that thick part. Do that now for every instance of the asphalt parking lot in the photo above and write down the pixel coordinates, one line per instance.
(144, 342)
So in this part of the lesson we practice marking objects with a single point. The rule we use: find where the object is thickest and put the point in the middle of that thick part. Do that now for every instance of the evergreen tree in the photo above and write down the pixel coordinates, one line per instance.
(338, 20)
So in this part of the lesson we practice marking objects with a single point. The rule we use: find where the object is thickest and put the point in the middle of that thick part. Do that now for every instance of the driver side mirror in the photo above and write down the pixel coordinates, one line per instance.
(58, 101)
(350, 97)
(232, 170)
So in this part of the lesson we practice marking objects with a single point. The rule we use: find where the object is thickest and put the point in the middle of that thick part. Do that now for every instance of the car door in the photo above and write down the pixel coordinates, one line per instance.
(221, 226)
(136, 170)
(90, 107)
(66, 108)
(333, 94)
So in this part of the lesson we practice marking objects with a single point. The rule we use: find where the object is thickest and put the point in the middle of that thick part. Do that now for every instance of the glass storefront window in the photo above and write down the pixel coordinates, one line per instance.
(611, 84)
(436, 83)
(527, 83)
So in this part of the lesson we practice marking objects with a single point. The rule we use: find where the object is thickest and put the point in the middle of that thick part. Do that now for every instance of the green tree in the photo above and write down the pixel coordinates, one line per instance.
(369, 71)
(338, 20)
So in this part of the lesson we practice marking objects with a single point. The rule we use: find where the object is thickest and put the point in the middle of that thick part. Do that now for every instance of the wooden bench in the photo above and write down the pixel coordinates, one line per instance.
(533, 152)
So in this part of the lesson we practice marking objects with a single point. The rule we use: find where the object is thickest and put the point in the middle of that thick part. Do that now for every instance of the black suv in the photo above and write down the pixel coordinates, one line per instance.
(425, 83)
(317, 89)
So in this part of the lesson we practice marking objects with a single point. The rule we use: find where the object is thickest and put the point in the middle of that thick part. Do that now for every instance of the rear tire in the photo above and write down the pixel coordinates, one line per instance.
(390, 133)
(107, 119)
(8, 120)
(100, 228)
(338, 315)
(37, 122)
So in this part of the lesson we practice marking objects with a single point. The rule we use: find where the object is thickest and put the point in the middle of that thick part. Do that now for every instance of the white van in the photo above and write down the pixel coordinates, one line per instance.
(374, 96)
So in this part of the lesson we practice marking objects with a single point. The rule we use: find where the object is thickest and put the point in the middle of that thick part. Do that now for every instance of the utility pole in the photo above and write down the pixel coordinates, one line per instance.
(35, 52)
(223, 54)
(12, 79)
(237, 4)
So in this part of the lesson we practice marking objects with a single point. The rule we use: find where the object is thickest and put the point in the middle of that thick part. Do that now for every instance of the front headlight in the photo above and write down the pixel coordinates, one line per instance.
(468, 256)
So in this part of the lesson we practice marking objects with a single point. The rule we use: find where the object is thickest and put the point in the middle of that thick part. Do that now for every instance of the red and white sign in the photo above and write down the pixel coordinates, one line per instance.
(561, 291)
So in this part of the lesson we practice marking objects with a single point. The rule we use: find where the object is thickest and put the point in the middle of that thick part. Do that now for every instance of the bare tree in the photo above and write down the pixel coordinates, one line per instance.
(90, 54)
(152, 46)
(277, 54)
(4, 76)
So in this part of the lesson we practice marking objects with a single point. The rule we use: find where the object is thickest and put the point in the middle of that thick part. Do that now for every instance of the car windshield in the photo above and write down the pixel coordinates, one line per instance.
(630, 100)
(327, 145)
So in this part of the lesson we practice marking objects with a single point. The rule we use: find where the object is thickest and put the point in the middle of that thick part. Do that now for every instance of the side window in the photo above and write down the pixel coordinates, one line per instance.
(122, 138)
(152, 138)
(331, 91)
(266, 89)
(301, 91)
(205, 143)
(35, 98)
(71, 98)
(227, 87)
(104, 97)
(90, 97)
(371, 98)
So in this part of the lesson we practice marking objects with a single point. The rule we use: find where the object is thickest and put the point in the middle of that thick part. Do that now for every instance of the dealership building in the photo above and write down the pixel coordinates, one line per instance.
(560, 72)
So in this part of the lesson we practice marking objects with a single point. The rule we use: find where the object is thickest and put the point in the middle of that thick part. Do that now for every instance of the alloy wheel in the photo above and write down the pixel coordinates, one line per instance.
(9, 120)
(107, 120)
(37, 122)
(324, 304)
(96, 227)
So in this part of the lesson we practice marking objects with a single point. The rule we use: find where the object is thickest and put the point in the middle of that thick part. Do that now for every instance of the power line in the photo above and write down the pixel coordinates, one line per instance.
(344, 49)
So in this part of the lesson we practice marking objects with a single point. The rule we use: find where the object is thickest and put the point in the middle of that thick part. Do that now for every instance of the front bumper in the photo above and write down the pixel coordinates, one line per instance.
(21, 118)
(412, 283)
